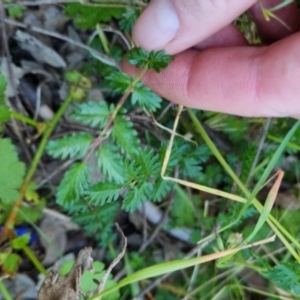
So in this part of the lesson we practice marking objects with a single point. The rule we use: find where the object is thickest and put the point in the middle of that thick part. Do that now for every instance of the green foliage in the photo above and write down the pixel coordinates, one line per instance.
(4, 110)
(20, 242)
(118, 81)
(182, 212)
(96, 221)
(10, 263)
(231, 215)
(103, 192)
(16, 12)
(151, 60)
(90, 279)
(93, 114)
(145, 98)
(75, 181)
(110, 163)
(12, 172)
(74, 145)
(128, 19)
(125, 136)
(286, 276)
(86, 17)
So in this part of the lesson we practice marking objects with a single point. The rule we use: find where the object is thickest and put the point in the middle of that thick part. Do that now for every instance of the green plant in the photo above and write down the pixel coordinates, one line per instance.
(136, 163)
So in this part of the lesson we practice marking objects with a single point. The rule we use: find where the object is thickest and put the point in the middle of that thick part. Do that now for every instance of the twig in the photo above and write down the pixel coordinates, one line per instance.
(162, 278)
(260, 147)
(100, 56)
(114, 262)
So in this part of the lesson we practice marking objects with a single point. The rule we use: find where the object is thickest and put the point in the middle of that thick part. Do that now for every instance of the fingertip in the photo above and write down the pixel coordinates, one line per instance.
(157, 25)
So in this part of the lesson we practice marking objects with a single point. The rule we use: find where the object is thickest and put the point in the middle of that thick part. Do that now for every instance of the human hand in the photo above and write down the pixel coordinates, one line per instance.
(214, 68)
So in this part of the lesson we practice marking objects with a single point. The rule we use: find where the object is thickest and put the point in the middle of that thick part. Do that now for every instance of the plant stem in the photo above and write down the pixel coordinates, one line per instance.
(25, 119)
(34, 260)
(4, 291)
(9, 224)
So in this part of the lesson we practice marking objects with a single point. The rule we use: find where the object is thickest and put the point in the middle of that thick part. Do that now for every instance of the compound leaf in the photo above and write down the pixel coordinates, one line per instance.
(75, 181)
(111, 164)
(102, 193)
(145, 98)
(93, 114)
(73, 145)
(125, 136)
(12, 172)
(151, 60)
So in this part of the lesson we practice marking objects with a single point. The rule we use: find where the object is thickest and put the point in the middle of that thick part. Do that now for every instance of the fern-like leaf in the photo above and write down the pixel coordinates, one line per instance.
(111, 164)
(75, 181)
(125, 136)
(102, 193)
(160, 189)
(151, 60)
(286, 276)
(96, 221)
(149, 163)
(128, 19)
(93, 114)
(145, 98)
(74, 145)
(136, 196)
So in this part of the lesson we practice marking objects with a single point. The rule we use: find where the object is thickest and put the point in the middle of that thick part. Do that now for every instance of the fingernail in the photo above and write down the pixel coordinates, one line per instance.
(157, 26)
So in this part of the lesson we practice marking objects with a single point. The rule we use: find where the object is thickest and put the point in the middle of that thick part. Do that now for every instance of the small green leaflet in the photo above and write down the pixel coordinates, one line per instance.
(128, 19)
(118, 81)
(136, 196)
(111, 164)
(103, 192)
(86, 17)
(74, 145)
(12, 172)
(75, 181)
(286, 276)
(145, 98)
(151, 60)
(125, 136)
(93, 114)
(160, 189)
(149, 163)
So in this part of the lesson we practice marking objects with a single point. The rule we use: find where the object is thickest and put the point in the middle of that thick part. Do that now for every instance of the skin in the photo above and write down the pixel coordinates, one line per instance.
(214, 67)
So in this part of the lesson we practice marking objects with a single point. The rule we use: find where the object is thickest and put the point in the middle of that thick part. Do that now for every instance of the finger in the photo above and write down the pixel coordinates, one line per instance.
(176, 25)
(274, 30)
(245, 81)
(228, 36)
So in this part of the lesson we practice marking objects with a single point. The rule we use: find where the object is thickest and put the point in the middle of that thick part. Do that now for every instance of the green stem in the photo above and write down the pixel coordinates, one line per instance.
(4, 291)
(102, 38)
(24, 119)
(46, 135)
(273, 223)
(34, 260)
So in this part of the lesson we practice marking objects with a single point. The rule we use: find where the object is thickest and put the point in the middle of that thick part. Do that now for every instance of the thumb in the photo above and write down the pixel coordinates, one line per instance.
(176, 25)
